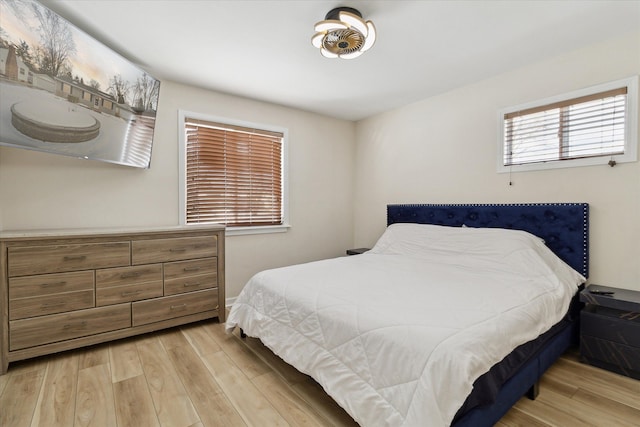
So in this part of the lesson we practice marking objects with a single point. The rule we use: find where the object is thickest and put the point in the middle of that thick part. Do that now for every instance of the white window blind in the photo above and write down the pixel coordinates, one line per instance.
(587, 126)
(233, 174)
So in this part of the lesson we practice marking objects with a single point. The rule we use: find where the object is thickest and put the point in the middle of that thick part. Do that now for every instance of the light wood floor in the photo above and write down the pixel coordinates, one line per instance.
(198, 376)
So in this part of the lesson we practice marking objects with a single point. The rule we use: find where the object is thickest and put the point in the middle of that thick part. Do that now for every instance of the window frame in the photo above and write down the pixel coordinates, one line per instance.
(631, 129)
(182, 158)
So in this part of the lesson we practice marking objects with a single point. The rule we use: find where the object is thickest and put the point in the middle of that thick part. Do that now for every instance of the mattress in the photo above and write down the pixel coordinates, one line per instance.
(399, 335)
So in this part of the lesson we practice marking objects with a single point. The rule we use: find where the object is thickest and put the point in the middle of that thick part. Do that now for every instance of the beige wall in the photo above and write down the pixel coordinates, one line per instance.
(443, 150)
(46, 191)
(439, 150)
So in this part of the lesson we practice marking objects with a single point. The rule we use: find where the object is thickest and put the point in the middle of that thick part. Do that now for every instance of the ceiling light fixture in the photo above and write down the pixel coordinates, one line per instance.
(344, 34)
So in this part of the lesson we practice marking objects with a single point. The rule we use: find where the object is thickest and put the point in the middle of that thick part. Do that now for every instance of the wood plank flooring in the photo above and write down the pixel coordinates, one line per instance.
(197, 376)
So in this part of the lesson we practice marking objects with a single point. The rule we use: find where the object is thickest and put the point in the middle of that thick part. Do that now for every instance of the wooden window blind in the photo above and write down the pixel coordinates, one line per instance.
(233, 174)
(588, 126)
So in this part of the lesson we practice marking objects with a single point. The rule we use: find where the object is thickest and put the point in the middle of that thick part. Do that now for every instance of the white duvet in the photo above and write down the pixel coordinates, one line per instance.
(398, 335)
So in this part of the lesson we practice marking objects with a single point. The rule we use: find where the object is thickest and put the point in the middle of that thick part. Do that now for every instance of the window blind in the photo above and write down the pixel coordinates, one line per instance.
(233, 174)
(592, 125)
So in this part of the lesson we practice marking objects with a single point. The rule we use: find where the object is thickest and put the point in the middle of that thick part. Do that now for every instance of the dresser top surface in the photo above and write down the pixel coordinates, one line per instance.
(621, 299)
(79, 232)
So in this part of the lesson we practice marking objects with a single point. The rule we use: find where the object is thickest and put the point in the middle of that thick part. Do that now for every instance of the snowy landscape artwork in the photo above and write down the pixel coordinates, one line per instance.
(63, 92)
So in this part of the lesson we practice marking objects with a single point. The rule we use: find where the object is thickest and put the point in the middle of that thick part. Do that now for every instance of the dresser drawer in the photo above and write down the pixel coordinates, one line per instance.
(116, 285)
(54, 303)
(625, 330)
(133, 292)
(174, 306)
(187, 276)
(614, 356)
(31, 260)
(48, 284)
(175, 249)
(58, 327)
(190, 283)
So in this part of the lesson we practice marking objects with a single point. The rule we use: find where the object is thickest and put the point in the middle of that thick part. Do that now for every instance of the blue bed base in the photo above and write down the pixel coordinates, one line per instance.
(521, 383)
(565, 230)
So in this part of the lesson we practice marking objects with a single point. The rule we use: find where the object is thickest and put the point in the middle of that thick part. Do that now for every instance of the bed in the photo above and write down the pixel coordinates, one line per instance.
(449, 319)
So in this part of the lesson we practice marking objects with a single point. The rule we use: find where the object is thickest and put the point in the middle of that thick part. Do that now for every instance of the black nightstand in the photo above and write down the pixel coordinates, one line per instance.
(357, 251)
(610, 329)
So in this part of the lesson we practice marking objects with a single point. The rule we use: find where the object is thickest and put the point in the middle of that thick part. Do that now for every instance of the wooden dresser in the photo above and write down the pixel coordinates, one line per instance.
(64, 289)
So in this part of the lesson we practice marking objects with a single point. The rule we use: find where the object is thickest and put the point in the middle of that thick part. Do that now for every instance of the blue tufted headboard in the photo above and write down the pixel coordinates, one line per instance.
(563, 226)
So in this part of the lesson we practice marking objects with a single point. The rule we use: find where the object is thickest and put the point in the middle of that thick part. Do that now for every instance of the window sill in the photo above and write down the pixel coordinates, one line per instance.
(239, 231)
(568, 163)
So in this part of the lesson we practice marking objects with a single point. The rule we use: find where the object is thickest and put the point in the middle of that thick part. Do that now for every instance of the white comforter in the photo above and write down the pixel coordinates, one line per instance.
(398, 335)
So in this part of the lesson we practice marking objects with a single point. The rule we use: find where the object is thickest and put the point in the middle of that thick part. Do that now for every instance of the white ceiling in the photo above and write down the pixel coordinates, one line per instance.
(262, 49)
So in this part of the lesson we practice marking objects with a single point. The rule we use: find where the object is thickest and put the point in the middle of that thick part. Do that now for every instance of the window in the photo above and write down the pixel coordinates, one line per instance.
(591, 126)
(233, 174)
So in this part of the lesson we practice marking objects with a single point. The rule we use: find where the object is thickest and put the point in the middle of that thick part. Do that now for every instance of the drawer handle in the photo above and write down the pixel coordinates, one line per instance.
(177, 249)
(176, 307)
(188, 269)
(79, 325)
(52, 304)
(75, 257)
(46, 285)
(126, 294)
(188, 285)
(130, 275)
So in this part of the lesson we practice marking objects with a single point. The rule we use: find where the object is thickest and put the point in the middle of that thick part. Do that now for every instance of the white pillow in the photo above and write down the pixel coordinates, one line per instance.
(518, 251)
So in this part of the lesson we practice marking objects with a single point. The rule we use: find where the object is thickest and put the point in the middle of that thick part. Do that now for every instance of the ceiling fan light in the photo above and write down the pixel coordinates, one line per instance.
(327, 54)
(355, 22)
(331, 24)
(343, 34)
(371, 39)
(316, 40)
(351, 55)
